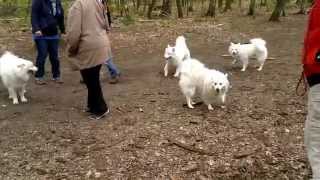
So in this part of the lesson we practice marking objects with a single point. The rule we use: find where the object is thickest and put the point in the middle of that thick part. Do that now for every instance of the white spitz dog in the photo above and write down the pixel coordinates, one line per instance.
(208, 83)
(243, 52)
(15, 73)
(176, 55)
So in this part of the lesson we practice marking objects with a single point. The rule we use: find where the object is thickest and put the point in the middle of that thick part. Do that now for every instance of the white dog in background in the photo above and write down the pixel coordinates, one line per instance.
(176, 55)
(243, 52)
(209, 83)
(15, 73)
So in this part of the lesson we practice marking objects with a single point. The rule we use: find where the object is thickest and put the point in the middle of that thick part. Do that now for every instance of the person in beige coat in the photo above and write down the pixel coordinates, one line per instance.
(89, 47)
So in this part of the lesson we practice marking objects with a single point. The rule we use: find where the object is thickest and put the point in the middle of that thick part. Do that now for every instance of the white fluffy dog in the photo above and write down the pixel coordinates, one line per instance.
(243, 52)
(209, 83)
(15, 72)
(176, 55)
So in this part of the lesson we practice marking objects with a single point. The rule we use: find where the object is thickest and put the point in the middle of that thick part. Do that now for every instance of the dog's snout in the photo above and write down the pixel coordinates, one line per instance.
(218, 90)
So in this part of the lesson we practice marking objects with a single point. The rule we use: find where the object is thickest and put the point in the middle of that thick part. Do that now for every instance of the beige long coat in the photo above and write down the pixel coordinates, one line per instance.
(87, 39)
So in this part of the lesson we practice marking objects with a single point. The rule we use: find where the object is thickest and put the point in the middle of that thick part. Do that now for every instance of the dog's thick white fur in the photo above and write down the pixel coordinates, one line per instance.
(208, 83)
(15, 73)
(243, 52)
(176, 55)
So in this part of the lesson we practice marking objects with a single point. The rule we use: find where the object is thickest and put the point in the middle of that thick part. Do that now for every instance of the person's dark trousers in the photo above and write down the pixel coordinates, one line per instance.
(45, 47)
(91, 77)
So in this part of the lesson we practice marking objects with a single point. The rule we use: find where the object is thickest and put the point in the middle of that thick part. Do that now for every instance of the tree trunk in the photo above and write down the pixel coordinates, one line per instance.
(263, 3)
(220, 4)
(150, 9)
(302, 4)
(212, 8)
(252, 8)
(240, 4)
(179, 7)
(145, 6)
(278, 10)
(228, 5)
(166, 8)
(190, 8)
(138, 4)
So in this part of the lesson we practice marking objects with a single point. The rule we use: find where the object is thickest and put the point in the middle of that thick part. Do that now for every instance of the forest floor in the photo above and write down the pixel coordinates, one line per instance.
(149, 133)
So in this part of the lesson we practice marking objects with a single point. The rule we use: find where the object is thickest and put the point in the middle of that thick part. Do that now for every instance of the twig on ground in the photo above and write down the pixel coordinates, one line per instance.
(246, 154)
(190, 148)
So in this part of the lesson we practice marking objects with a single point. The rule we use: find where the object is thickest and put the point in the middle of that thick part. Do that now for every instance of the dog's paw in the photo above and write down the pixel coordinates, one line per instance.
(259, 69)
(210, 108)
(176, 75)
(15, 101)
(223, 107)
(24, 100)
(190, 106)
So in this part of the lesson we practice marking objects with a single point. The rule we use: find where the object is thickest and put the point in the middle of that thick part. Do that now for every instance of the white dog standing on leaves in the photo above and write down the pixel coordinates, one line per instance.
(243, 52)
(176, 55)
(15, 73)
(209, 83)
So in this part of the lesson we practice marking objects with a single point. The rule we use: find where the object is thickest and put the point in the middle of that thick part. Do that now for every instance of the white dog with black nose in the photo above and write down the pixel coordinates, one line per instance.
(15, 73)
(176, 55)
(243, 52)
(209, 83)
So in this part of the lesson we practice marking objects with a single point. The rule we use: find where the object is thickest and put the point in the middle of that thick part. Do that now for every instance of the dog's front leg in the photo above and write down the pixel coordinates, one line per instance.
(13, 95)
(166, 69)
(177, 71)
(261, 66)
(223, 100)
(234, 61)
(189, 102)
(210, 108)
(21, 93)
(245, 62)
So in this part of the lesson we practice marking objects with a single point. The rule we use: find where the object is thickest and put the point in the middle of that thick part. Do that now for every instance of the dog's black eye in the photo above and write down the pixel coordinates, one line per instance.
(215, 84)
(220, 83)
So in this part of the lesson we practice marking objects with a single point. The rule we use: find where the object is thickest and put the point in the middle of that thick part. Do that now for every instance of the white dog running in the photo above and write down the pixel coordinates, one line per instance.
(243, 52)
(176, 55)
(209, 83)
(15, 73)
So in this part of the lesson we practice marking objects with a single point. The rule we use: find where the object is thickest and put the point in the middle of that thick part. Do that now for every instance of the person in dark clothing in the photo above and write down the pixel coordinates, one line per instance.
(47, 17)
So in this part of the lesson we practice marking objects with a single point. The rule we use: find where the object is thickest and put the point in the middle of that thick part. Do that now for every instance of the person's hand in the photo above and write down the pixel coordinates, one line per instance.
(38, 33)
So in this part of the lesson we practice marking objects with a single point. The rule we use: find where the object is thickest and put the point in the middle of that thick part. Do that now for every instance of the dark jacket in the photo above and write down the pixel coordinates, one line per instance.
(42, 17)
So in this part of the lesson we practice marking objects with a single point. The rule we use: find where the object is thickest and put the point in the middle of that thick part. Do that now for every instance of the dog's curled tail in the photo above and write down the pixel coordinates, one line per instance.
(259, 43)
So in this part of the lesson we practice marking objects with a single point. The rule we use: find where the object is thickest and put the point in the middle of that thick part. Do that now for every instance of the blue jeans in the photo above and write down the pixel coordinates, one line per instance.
(113, 70)
(45, 47)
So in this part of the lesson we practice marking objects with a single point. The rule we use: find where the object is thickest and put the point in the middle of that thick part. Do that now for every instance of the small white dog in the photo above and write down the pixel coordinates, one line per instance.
(210, 84)
(176, 55)
(243, 52)
(15, 73)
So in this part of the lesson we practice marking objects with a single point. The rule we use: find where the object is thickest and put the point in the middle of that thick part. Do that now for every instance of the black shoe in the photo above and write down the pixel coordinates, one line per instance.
(99, 116)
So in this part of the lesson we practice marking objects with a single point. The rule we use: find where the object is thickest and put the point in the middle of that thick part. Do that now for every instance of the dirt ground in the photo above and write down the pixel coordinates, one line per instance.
(149, 133)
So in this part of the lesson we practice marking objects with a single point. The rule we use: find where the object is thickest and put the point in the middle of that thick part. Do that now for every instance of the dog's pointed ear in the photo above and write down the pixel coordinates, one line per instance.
(169, 46)
(226, 74)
